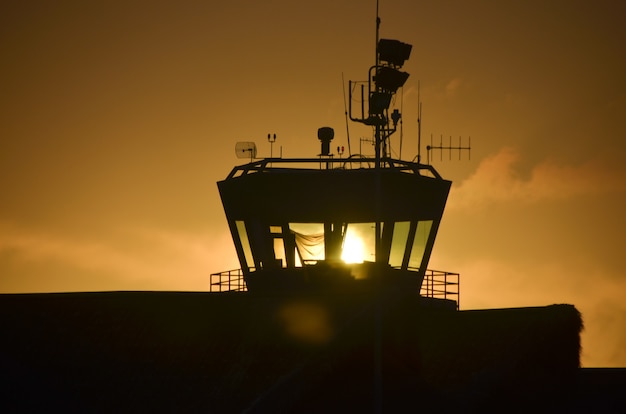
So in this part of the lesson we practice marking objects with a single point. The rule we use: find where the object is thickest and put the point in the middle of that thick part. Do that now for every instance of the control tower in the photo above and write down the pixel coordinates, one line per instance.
(328, 223)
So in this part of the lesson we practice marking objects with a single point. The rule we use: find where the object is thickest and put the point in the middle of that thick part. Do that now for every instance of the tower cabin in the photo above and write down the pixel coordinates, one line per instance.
(321, 223)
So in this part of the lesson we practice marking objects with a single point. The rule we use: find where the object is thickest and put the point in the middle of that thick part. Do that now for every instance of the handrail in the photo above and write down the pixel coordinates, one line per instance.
(442, 284)
(436, 284)
(227, 281)
(387, 163)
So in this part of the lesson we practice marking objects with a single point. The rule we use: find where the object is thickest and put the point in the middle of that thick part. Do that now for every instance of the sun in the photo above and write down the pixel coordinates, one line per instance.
(353, 249)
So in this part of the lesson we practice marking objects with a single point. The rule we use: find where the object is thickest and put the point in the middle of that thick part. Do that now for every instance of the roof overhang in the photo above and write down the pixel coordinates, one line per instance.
(361, 195)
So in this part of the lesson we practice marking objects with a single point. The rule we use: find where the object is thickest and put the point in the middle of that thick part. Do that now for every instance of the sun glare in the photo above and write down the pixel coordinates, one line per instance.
(353, 249)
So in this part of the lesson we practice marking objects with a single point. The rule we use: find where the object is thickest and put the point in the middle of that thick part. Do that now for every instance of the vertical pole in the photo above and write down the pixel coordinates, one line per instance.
(378, 361)
(378, 369)
(376, 63)
(377, 138)
(376, 45)
(345, 108)
(419, 125)
(362, 101)
(458, 292)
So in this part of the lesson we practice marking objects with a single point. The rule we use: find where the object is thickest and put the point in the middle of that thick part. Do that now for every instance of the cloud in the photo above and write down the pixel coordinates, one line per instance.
(495, 283)
(146, 259)
(525, 234)
(453, 86)
(497, 180)
(29, 246)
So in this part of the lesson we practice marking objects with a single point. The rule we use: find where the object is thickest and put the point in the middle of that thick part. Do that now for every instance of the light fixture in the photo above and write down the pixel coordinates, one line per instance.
(389, 79)
(393, 52)
(379, 102)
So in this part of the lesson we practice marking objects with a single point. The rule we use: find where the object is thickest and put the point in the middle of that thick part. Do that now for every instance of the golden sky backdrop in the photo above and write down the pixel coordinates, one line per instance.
(118, 117)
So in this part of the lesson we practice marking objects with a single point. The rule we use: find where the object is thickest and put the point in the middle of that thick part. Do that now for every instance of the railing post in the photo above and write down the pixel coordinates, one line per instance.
(458, 291)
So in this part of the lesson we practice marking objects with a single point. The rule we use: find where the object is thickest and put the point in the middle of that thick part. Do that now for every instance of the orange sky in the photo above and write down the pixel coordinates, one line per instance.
(117, 119)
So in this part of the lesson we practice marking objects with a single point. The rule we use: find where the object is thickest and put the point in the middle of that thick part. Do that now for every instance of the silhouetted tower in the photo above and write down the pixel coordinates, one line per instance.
(323, 223)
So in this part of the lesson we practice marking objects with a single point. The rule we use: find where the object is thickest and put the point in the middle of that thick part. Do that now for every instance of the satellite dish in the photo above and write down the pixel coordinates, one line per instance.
(245, 150)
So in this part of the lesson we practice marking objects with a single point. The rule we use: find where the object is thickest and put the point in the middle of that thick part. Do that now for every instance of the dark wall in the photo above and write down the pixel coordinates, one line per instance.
(160, 351)
(323, 195)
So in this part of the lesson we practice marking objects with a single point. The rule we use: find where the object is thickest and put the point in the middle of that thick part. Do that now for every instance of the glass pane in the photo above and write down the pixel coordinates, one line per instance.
(307, 228)
(279, 251)
(359, 243)
(419, 243)
(245, 243)
(398, 243)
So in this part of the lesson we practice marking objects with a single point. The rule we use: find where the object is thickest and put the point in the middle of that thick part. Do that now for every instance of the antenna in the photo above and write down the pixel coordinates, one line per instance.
(419, 124)
(401, 128)
(449, 148)
(345, 108)
(383, 81)
(245, 149)
(377, 128)
(371, 141)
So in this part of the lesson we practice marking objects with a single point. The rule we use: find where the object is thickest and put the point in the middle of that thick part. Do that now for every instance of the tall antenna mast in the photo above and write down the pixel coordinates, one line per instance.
(377, 35)
(377, 136)
(383, 81)
(378, 364)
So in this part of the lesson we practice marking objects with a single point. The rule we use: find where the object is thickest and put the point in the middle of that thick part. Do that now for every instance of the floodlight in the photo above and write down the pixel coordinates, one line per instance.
(379, 102)
(390, 79)
(393, 52)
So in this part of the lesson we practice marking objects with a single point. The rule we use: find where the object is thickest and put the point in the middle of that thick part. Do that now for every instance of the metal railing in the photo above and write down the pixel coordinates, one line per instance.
(291, 164)
(228, 281)
(442, 285)
(437, 284)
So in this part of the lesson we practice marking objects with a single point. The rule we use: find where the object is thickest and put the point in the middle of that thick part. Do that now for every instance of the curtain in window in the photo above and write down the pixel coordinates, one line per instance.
(310, 246)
